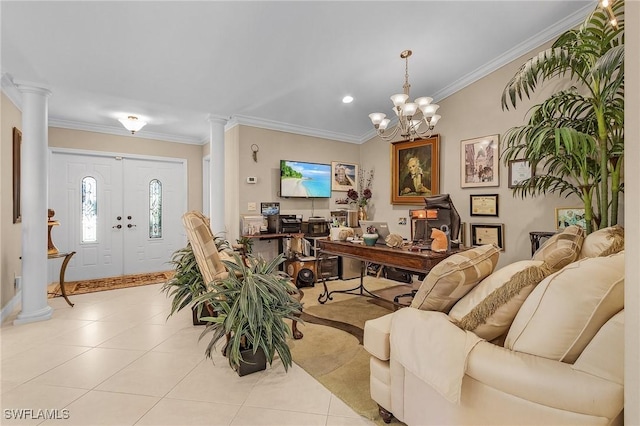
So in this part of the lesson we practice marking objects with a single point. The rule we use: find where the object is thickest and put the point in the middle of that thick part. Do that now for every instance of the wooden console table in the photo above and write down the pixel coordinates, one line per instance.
(415, 261)
(63, 268)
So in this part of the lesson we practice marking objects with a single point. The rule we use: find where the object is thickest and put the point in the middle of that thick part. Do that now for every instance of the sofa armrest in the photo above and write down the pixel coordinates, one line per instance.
(544, 381)
(376, 337)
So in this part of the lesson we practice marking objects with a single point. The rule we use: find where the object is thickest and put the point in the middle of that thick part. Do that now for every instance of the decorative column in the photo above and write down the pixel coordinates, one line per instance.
(34, 198)
(216, 172)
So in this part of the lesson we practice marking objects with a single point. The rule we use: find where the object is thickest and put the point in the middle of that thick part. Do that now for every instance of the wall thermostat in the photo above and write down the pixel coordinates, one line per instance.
(252, 179)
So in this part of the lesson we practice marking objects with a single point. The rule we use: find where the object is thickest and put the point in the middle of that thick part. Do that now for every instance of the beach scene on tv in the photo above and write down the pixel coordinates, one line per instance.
(300, 179)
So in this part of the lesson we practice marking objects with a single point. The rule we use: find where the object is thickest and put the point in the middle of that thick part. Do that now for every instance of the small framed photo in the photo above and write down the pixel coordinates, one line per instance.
(487, 233)
(483, 205)
(567, 216)
(519, 171)
(479, 162)
(345, 176)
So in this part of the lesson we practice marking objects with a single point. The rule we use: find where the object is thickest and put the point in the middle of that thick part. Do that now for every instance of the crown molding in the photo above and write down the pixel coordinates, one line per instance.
(11, 90)
(121, 131)
(514, 53)
(291, 128)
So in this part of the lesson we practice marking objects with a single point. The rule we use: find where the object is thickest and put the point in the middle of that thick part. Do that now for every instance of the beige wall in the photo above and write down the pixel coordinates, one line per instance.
(473, 112)
(10, 233)
(90, 141)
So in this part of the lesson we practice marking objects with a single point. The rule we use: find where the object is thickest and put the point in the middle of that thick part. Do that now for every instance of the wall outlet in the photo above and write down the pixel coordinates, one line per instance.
(252, 207)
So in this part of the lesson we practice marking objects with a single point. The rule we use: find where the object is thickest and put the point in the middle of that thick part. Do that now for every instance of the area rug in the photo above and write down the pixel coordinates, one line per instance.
(331, 350)
(109, 283)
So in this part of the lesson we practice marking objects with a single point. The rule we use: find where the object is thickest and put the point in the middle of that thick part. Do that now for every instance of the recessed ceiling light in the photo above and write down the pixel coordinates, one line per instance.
(347, 99)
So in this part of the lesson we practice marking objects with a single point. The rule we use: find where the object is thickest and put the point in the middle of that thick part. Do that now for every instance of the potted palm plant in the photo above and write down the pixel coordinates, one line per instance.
(248, 309)
(577, 134)
(187, 281)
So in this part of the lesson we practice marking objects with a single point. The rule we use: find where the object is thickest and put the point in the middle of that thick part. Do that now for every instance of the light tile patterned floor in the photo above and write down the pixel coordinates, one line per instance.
(114, 359)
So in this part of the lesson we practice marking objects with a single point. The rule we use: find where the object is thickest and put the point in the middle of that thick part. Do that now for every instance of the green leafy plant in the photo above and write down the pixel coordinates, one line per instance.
(246, 243)
(187, 282)
(577, 134)
(250, 307)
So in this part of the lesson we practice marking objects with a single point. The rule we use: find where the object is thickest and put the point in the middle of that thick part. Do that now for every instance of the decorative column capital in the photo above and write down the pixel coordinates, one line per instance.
(31, 87)
(217, 119)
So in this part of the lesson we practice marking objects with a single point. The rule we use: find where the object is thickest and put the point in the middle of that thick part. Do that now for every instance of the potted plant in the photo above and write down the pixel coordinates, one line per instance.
(250, 307)
(577, 134)
(187, 282)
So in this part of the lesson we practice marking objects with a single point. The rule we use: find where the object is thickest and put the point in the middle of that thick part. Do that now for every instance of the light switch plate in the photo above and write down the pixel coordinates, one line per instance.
(251, 207)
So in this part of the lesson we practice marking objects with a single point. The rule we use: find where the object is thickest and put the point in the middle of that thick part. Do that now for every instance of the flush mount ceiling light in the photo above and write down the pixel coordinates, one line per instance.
(132, 124)
(347, 99)
(411, 115)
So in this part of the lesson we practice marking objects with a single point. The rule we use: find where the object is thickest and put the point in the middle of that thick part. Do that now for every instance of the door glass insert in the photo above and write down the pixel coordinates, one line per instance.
(155, 209)
(89, 209)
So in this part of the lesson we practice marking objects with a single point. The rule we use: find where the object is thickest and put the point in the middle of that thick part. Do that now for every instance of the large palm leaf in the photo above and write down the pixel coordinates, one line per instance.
(576, 136)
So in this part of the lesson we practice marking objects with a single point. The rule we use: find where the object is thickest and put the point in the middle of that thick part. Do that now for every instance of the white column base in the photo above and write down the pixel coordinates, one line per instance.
(40, 315)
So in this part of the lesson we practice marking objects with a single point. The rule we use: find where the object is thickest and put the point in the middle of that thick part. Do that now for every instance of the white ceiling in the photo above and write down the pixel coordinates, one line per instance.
(279, 65)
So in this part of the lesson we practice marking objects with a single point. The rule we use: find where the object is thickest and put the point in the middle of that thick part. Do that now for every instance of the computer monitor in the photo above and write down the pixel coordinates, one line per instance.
(382, 229)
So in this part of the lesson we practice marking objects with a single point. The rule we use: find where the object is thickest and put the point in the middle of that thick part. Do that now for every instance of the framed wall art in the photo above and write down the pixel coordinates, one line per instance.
(483, 205)
(519, 170)
(415, 171)
(487, 233)
(567, 216)
(17, 155)
(345, 176)
(479, 162)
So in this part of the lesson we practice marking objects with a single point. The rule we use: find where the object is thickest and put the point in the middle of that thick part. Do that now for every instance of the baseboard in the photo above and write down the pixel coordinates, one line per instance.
(8, 309)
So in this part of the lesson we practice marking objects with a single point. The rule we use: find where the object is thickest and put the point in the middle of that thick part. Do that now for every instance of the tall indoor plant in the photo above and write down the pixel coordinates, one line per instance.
(187, 281)
(577, 134)
(249, 308)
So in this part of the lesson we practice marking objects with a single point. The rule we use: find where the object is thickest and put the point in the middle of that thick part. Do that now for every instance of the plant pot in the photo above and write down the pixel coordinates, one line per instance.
(370, 239)
(252, 363)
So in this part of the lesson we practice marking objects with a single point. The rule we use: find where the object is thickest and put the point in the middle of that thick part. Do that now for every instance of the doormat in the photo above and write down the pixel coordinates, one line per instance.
(109, 283)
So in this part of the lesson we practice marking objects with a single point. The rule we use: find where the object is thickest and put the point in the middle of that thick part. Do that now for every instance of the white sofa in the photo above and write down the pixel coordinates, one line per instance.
(561, 361)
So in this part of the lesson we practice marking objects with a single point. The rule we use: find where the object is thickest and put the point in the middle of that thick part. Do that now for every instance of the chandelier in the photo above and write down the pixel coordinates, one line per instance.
(132, 124)
(415, 119)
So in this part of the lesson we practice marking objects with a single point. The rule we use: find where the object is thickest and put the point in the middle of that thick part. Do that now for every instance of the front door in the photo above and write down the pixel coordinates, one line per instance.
(121, 215)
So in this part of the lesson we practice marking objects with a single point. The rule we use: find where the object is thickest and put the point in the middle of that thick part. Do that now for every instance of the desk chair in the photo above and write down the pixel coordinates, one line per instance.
(208, 258)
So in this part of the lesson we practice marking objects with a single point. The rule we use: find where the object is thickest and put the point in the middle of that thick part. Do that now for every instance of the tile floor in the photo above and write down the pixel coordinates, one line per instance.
(115, 359)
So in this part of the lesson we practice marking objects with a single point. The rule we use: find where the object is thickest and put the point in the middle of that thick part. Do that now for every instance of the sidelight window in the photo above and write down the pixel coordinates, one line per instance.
(155, 209)
(89, 209)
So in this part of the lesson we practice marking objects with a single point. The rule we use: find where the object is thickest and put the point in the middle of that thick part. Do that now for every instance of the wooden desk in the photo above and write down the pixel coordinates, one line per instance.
(420, 262)
(63, 268)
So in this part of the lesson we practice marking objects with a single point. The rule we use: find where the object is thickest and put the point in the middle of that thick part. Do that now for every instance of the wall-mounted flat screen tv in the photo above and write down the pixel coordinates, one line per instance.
(299, 179)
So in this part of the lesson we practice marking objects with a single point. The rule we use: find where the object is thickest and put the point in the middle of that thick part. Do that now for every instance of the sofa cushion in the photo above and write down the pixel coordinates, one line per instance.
(376, 336)
(454, 277)
(565, 311)
(603, 242)
(489, 309)
(562, 248)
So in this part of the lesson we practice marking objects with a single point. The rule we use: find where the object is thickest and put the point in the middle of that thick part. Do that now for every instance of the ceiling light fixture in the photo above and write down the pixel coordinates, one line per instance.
(411, 115)
(347, 99)
(132, 124)
(606, 5)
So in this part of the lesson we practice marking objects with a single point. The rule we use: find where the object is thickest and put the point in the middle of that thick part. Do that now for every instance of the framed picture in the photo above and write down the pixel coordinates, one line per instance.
(567, 216)
(345, 176)
(415, 172)
(519, 170)
(483, 204)
(479, 162)
(17, 154)
(487, 233)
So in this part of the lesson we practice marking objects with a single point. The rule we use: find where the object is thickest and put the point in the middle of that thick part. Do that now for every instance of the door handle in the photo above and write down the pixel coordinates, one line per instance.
(118, 226)
(130, 226)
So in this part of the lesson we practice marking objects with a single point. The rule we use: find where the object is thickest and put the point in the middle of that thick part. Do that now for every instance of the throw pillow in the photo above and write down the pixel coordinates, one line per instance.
(565, 311)
(454, 277)
(561, 249)
(489, 309)
(603, 242)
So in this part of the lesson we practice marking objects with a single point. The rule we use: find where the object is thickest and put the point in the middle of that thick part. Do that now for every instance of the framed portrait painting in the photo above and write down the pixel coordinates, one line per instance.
(480, 162)
(415, 171)
(345, 176)
(567, 216)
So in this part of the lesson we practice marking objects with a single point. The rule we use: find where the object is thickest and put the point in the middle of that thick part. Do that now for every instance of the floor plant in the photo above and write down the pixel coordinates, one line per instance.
(576, 135)
(251, 306)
